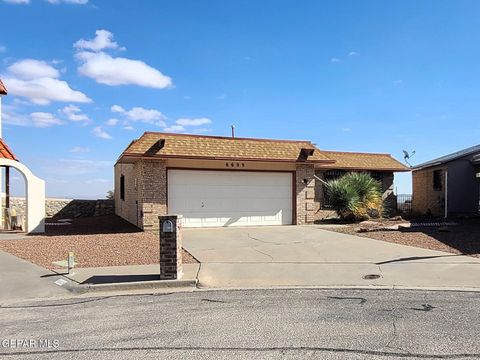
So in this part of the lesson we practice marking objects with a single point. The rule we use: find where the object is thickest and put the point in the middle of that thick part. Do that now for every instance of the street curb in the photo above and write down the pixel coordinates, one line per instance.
(201, 287)
(135, 285)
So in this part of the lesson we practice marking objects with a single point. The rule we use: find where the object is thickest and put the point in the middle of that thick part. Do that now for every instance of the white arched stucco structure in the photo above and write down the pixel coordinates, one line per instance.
(35, 197)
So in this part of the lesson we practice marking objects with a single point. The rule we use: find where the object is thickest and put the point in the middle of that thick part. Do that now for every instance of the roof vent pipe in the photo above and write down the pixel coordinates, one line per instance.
(233, 131)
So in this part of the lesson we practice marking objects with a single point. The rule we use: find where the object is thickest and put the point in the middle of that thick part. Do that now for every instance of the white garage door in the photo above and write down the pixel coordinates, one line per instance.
(230, 198)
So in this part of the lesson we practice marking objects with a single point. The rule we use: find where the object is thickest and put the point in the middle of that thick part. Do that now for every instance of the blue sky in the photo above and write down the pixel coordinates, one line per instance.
(370, 76)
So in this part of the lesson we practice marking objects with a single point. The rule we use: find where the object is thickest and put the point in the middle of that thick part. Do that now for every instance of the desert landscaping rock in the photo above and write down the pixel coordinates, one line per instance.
(95, 241)
(461, 238)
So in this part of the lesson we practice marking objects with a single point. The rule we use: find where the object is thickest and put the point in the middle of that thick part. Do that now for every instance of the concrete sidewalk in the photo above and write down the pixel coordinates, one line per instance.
(21, 280)
(310, 256)
(126, 274)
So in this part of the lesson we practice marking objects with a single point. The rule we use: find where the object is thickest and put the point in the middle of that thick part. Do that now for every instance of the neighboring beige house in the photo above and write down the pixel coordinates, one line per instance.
(224, 181)
(448, 185)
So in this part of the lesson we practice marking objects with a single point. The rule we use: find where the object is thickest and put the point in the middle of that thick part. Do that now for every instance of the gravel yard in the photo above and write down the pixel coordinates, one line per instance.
(463, 238)
(96, 241)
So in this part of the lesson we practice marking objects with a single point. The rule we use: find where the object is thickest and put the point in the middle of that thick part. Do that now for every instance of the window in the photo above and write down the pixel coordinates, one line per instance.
(437, 180)
(330, 175)
(377, 175)
(122, 187)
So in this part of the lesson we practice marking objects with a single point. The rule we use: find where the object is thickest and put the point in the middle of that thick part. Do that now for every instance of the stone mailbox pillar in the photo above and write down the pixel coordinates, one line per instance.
(170, 247)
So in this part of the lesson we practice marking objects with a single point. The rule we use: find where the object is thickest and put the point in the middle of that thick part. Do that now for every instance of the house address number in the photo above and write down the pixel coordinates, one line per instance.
(234, 164)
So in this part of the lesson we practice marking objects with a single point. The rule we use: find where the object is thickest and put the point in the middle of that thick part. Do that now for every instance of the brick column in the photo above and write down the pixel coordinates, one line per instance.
(152, 193)
(305, 185)
(170, 247)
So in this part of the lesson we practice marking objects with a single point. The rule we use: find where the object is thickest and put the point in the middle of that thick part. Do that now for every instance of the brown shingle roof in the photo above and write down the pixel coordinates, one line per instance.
(5, 152)
(3, 89)
(222, 148)
(363, 161)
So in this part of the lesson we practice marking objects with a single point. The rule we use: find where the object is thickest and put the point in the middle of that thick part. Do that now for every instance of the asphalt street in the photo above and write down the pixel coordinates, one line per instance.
(252, 324)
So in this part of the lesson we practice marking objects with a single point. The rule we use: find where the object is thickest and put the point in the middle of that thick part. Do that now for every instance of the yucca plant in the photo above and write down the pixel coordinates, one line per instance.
(355, 196)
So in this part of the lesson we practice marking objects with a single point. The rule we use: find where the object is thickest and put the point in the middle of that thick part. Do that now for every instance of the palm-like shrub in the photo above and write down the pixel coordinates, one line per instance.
(355, 196)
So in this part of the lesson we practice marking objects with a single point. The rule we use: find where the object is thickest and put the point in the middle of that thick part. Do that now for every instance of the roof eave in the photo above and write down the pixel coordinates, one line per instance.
(222, 158)
(353, 168)
(428, 165)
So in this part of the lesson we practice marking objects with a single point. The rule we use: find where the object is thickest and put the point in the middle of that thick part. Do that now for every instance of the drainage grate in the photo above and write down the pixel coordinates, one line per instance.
(372, 277)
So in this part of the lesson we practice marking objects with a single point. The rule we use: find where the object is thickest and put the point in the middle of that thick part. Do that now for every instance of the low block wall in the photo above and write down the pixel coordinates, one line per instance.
(69, 208)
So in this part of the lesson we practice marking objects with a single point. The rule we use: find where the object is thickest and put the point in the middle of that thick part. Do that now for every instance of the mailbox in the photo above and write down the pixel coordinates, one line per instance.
(167, 226)
(170, 235)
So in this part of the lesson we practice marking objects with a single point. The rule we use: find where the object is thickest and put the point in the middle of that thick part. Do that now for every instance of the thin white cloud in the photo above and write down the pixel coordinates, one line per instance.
(100, 133)
(75, 2)
(117, 109)
(335, 60)
(353, 53)
(80, 149)
(108, 70)
(103, 40)
(3, 49)
(11, 116)
(129, 128)
(193, 122)
(187, 97)
(73, 113)
(98, 180)
(175, 128)
(39, 82)
(17, 1)
(111, 122)
(346, 129)
(44, 119)
(29, 69)
(75, 167)
(148, 116)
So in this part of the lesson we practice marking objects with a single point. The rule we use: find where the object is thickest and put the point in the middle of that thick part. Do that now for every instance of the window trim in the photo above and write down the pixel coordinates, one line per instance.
(122, 187)
(437, 181)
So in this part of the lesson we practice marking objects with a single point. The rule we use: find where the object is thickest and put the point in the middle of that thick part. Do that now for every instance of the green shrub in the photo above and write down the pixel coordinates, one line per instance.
(355, 196)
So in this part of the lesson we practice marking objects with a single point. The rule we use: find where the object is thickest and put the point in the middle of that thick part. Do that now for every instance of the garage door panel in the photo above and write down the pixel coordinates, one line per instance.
(228, 198)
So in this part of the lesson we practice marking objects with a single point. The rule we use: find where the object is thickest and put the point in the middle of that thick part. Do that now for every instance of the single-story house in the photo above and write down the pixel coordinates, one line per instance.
(448, 185)
(230, 181)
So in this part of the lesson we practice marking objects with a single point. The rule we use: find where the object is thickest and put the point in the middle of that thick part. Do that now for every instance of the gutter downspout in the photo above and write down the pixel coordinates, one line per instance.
(446, 194)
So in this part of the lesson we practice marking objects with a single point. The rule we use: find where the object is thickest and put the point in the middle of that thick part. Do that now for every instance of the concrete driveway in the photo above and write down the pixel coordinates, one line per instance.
(312, 256)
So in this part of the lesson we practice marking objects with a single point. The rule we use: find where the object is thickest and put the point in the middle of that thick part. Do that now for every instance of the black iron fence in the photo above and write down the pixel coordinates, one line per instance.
(404, 202)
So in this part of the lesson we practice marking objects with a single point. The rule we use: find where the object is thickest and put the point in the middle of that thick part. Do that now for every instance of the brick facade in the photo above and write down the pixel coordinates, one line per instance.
(145, 192)
(425, 199)
(153, 193)
(305, 194)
